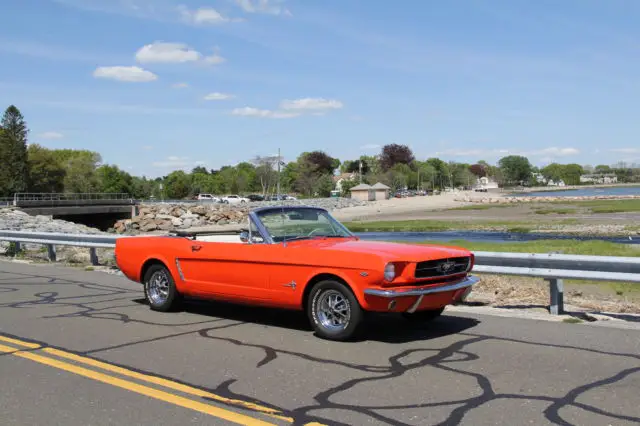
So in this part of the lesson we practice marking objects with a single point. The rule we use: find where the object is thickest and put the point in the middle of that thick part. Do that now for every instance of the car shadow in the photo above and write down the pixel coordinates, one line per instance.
(381, 327)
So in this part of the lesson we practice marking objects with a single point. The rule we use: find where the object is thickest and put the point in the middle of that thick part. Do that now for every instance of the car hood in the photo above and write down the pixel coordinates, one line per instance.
(388, 250)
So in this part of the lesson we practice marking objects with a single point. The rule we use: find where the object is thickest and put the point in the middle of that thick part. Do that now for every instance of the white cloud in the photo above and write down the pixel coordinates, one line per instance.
(216, 96)
(50, 135)
(263, 113)
(626, 150)
(214, 59)
(204, 16)
(167, 52)
(271, 7)
(292, 108)
(556, 152)
(173, 161)
(180, 85)
(173, 53)
(128, 74)
(311, 104)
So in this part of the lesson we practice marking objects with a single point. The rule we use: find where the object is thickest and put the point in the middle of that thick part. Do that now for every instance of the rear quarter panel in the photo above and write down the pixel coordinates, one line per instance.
(132, 253)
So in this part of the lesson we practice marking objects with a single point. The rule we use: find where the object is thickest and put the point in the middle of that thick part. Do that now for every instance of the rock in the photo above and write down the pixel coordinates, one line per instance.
(149, 226)
(176, 221)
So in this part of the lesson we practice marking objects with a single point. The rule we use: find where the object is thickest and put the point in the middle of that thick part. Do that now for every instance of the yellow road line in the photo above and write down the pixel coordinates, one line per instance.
(20, 342)
(154, 379)
(135, 387)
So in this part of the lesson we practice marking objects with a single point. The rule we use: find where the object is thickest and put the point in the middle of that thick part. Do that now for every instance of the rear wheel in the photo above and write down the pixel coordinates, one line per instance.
(424, 316)
(160, 289)
(334, 311)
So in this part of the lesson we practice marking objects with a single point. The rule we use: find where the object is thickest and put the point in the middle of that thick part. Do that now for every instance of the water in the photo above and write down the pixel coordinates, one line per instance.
(585, 192)
(484, 236)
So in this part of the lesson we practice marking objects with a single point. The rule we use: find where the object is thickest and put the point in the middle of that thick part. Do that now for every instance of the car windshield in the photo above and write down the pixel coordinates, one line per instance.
(301, 223)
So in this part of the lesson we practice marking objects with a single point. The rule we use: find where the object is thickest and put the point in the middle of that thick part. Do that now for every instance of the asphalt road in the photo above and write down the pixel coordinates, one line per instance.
(80, 348)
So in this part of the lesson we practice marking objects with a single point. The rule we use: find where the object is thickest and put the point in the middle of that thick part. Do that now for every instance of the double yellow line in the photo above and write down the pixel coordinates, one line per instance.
(28, 350)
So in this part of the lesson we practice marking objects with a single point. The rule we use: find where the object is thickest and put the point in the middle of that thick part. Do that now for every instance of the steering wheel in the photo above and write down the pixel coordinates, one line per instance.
(314, 230)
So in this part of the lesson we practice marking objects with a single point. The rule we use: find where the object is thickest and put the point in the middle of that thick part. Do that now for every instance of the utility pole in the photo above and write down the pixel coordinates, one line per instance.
(278, 193)
(360, 171)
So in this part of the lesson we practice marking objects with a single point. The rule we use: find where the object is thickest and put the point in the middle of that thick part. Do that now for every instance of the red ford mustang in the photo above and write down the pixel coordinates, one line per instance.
(299, 257)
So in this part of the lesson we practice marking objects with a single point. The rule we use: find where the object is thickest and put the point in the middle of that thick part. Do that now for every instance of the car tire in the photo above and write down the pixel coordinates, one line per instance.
(424, 316)
(324, 320)
(160, 289)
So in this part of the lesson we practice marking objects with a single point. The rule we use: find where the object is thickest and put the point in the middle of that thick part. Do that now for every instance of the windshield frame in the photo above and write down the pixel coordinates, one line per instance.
(263, 230)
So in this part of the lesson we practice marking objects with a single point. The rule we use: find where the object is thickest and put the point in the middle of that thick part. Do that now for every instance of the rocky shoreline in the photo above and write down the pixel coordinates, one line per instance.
(550, 199)
(169, 217)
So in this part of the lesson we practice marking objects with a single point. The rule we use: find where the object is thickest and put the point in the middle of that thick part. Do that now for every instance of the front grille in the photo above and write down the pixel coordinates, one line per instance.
(442, 267)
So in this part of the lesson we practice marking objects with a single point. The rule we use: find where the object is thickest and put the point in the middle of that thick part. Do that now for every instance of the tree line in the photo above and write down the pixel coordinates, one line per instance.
(34, 168)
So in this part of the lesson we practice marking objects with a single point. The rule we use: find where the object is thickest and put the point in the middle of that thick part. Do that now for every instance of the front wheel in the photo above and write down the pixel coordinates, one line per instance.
(334, 311)
(160, 289)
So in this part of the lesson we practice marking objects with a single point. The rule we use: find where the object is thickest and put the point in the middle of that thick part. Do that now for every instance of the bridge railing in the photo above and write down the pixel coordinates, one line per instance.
(552, 267)
(54, 199)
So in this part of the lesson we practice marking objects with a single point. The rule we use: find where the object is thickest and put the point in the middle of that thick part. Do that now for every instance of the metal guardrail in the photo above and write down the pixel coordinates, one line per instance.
(54, 199)
(552, 267)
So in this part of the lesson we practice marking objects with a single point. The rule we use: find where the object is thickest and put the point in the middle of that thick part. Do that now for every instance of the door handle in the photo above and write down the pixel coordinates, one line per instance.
(195, 248)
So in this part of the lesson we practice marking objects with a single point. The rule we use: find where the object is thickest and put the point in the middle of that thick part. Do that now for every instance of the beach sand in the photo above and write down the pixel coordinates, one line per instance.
(407, 208)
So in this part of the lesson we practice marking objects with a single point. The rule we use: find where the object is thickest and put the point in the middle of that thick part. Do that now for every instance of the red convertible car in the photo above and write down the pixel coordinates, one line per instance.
(299, 257)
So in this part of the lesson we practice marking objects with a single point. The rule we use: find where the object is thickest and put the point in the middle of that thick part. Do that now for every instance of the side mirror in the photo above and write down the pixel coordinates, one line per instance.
(244, 236)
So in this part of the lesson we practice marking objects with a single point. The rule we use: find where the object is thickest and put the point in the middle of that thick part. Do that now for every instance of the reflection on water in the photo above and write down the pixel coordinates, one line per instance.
(586, 192)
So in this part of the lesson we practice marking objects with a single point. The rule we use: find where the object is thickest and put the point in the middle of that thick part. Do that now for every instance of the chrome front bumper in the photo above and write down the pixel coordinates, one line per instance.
(421, 292)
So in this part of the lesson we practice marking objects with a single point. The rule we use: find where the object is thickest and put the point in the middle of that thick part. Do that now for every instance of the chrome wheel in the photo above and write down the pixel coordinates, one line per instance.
(158, 287)
(333, 310)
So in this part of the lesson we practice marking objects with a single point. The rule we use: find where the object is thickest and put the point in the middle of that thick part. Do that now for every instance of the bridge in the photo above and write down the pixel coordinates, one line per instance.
(99, 210)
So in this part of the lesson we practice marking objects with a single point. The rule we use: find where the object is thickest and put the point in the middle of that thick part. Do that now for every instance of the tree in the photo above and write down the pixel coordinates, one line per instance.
(14, 176)
(516, 169)
(395, 154)
(46, 174)
(265, 173)
(480, 170)
(113, 180)
(177, 185)
(321, 162)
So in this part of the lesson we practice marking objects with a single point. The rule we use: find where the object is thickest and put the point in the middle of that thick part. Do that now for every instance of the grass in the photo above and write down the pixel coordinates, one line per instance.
(593, 247)
(480, 207)
(555, 211)
(605, 206)
(434, 225)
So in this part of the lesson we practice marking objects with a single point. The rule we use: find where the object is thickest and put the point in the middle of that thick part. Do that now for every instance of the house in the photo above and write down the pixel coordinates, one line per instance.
(363, 192)
(539, 177)
(486, 182)
(599, 178)
(381, 191)
(338, 179)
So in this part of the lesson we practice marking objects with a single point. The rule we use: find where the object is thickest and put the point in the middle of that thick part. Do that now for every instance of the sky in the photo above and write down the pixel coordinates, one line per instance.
(160, 85)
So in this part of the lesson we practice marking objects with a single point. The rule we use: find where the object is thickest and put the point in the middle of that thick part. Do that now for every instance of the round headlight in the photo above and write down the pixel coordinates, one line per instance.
(389, 272)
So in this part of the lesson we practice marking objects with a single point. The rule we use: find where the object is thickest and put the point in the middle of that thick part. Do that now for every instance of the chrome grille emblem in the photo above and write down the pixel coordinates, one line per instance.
(446, 266)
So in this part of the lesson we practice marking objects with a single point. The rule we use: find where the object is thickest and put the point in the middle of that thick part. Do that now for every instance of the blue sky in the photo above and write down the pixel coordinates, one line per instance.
(157, 85)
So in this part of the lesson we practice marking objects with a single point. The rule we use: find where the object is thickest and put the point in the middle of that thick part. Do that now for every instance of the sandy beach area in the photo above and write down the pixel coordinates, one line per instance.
(408, 208)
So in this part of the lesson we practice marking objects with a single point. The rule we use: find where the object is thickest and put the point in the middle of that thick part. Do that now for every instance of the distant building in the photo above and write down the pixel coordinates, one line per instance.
(342, 177)
(605, 178)
(381, 191)
(539, 177)
(363, 192)
(486, 182)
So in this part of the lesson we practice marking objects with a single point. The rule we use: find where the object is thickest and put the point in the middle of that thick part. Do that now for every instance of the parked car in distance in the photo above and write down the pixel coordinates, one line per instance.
(234, 199)
(207, 197)
(302, 258)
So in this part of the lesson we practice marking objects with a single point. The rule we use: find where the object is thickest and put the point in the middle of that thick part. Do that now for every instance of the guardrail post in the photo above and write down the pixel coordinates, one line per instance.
(51, 252)
(94, 256)
(556, 289)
